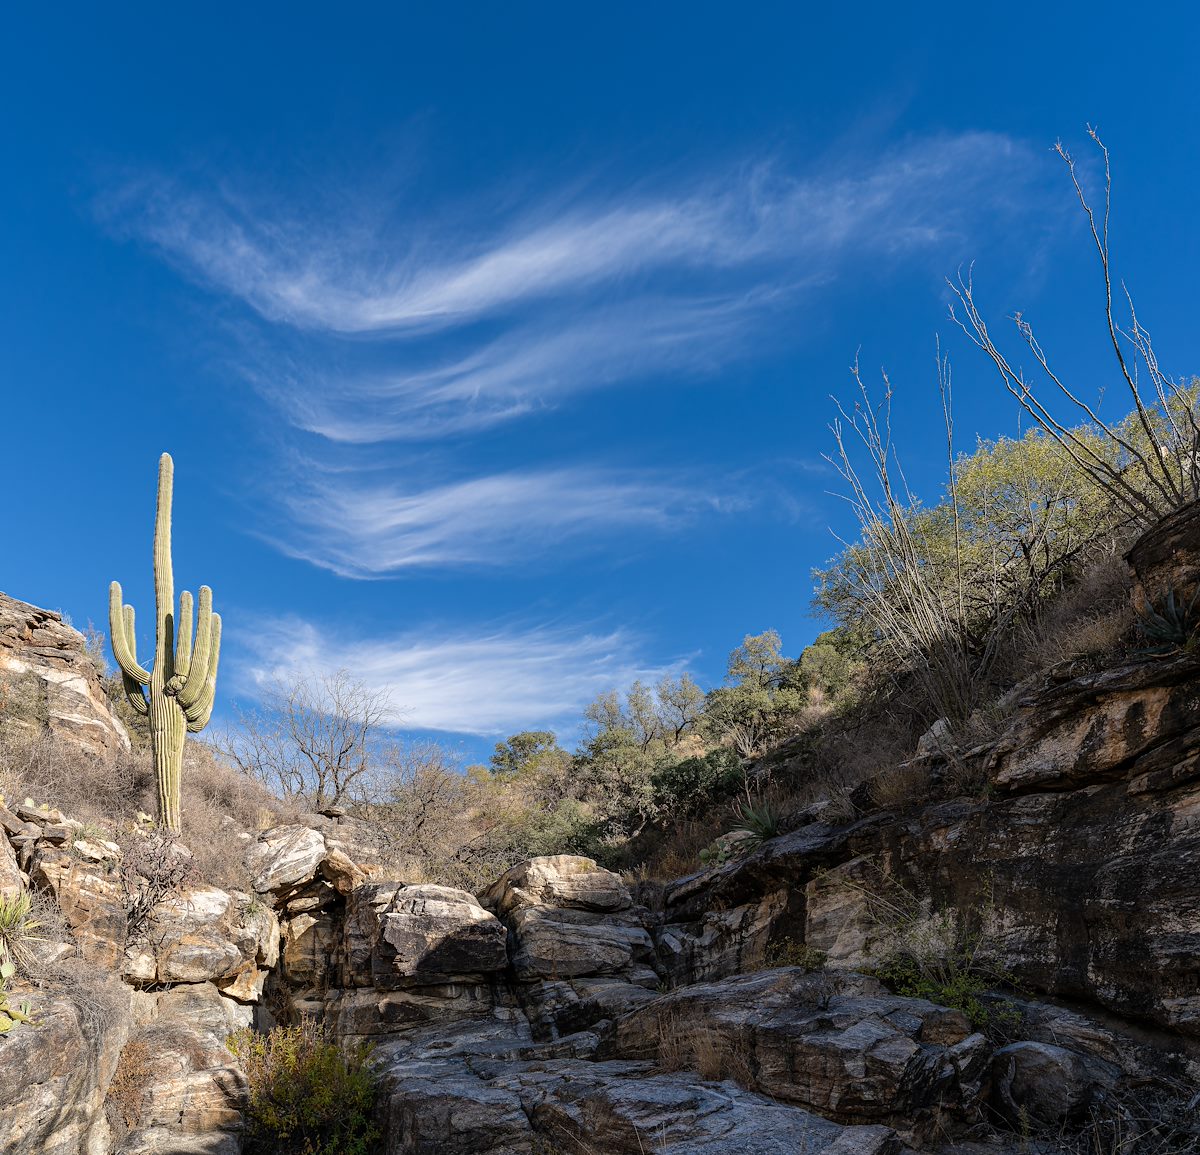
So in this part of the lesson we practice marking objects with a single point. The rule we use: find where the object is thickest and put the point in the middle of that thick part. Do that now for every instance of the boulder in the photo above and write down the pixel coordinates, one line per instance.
(56, 1073)
(1048, 1086)
(720, 943)
(92, 901)
(558, 944)
(185, 1088)
(396, 934)
(205, 934)
(564, 881)
(284, 857)
(37, 645)
(12, 881)
(839, 1045)
(309, 942)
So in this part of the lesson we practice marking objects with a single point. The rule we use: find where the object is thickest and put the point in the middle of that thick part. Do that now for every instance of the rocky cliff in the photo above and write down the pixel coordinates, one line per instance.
(44, 662)
(742, 1009)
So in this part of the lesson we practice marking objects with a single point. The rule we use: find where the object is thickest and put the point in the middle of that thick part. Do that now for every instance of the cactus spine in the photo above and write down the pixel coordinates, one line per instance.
(183, 680)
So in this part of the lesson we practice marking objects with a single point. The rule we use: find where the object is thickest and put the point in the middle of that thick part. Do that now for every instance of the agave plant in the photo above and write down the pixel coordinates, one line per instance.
(1175, 629)
(16, 928)
(757, 822)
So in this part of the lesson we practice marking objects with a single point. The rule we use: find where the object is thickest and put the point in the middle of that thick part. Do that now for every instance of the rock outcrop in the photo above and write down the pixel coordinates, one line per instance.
(56, 1074)
(45, 662)
(558, 1010)
(1076, 864)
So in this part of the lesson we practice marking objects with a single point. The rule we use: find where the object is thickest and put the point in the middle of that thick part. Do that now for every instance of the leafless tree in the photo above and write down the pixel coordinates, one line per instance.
(904, 599)
(313, 739)
(1149, 464)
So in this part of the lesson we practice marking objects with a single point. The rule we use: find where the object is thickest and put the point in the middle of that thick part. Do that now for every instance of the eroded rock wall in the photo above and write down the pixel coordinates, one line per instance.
(61, 684)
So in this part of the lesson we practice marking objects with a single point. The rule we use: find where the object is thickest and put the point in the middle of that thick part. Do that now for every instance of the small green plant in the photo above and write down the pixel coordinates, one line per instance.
(17, 926)
(758, 822)
(933, 955)
(307, 1095)
(786, 952)
(17, 930)
(1173, 631)
(717, 854)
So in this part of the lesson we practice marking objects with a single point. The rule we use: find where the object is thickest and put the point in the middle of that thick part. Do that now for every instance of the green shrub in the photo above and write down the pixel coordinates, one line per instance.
(307, 1095)
(786, 952)
(691, 785)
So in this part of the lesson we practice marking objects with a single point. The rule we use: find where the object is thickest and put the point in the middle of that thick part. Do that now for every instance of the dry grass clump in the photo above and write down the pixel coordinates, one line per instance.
(218, 805)
(106, 794)
(125, 1103)
(901, 787)
(688, 1045)
(1090, 618)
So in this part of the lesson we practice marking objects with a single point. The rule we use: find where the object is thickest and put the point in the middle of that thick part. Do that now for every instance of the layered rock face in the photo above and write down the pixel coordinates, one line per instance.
(46, 660)
(130, 1057)
(556, 1012)
(1076, 865)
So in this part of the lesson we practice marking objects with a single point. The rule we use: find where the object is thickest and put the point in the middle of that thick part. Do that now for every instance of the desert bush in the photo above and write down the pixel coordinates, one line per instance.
(901, 787)
(1148, 463)
(786, 952)
(943, 956)
(691, 785)
(1154, 1120)
(125, 1100)
(23, 706)
(306, 1095)
(155, 869)
(313, 739)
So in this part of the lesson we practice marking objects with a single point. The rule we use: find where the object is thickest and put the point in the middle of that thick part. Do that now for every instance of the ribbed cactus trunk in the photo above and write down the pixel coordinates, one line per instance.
(182, 681)
(168, 726)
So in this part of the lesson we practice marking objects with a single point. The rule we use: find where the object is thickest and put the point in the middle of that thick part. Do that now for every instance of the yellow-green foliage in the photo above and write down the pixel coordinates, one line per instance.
(307, 1096)
(17, 927)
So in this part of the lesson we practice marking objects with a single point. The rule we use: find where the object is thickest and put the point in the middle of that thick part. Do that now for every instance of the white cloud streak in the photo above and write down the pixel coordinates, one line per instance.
(463, 320)
(493, 683)
(309, 274)
(497, 520)
(525, 370)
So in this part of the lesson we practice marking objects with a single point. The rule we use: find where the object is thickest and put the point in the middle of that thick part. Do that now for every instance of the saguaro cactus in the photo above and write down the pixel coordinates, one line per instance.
(183, 679)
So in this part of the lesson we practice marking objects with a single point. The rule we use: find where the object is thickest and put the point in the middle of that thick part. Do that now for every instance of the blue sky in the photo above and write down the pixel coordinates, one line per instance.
(495, 344)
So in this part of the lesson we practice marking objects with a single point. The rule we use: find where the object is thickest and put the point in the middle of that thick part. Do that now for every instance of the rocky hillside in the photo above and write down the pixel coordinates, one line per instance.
(751, 1007)
(44, 663)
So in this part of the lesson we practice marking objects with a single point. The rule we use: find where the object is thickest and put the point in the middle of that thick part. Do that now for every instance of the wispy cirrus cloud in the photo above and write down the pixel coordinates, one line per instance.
(492, 682)
(373, 529)
(405, 323)
(527, 369)
(344, 277)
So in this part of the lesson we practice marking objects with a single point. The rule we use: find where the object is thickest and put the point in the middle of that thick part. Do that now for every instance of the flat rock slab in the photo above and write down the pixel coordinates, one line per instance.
(396, 934)
(839, 1045)
(501, 1105)
(284, 857)
(561, 880)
